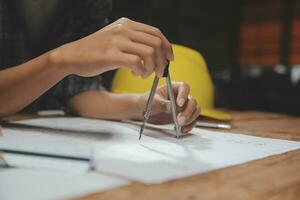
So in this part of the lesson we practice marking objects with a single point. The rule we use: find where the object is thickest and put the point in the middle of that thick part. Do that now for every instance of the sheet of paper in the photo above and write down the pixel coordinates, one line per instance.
(160, 157)
(24, 184)
(64, 137)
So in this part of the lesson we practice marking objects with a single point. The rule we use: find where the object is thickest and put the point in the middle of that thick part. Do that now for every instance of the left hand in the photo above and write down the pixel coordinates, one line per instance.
(187, 108)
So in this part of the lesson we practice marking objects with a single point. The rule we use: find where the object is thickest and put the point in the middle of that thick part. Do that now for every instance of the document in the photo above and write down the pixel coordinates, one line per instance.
(158, 160)
(159, 156)
(25, 184)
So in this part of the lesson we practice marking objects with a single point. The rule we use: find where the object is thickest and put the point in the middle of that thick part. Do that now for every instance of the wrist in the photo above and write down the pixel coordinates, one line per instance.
(57, 60)
(138, 104)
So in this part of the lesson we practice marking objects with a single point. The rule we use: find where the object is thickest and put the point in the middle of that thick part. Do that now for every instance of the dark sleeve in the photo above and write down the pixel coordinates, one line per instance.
(89, 16)
(84, 18)
(58, 96)
(72, 85)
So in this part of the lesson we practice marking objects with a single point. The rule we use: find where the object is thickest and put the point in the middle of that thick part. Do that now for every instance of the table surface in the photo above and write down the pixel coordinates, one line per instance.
(274, 177)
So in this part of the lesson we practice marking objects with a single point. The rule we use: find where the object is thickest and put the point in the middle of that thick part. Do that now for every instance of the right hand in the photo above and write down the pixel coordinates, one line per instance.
(127, 43)
(161, 113)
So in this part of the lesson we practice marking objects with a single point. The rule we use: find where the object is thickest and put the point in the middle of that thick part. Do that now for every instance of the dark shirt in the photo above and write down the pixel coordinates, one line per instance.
(71, 20)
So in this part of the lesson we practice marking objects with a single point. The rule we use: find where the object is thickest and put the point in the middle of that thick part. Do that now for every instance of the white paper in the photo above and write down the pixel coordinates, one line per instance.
(58, 136)
(22, 184)
(160, 157)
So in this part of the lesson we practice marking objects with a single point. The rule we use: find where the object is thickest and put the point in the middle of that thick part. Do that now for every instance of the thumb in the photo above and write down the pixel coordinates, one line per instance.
(161, 105)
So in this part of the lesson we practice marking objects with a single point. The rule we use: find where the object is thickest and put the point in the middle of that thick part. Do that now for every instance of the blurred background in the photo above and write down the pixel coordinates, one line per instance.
(252, 47)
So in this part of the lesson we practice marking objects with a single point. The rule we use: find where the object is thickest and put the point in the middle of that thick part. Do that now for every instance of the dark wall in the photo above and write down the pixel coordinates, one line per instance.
(208, 26)
(212, 27)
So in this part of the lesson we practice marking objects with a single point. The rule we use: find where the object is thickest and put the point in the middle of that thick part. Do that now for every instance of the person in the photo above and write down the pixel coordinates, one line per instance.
(65, 73)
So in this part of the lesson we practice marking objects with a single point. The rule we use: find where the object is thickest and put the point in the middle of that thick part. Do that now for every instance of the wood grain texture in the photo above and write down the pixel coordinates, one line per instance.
(275, 177)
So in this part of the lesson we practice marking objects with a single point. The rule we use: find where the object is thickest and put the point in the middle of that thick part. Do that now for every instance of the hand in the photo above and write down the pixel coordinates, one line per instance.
(187, 107)
(141, 47)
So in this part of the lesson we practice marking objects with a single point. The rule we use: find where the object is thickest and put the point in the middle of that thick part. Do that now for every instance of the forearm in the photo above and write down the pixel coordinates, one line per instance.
(105, 105)
(21, 85)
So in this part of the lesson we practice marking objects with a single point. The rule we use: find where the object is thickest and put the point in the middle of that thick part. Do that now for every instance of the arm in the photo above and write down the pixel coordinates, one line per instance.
(21, 85)
(122, 43)
(105, 105)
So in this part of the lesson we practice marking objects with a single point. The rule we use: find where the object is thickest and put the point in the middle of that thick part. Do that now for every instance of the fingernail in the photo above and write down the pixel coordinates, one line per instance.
(145, 75)
(181, 120)
(160, 74)
(184, 132)
(181, 102)
(169, 56)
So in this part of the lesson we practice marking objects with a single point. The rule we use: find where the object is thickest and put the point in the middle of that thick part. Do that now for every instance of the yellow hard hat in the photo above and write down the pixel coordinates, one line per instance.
(189, 67)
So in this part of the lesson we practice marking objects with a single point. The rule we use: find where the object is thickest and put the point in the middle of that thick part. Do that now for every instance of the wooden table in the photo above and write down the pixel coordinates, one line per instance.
(275, 177)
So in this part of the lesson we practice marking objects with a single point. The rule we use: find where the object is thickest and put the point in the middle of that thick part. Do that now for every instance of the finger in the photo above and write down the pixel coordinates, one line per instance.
(161, 106)
(154, 42)
(132, 61)
(194, 116)
(188, 128)
(183, 93)
(153, 31)
(145, 52)
(163, 93)
(187, 112)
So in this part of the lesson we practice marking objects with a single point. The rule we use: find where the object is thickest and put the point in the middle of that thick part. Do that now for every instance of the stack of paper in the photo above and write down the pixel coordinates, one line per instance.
(50, 164)
(159, 157)
(163, 158)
